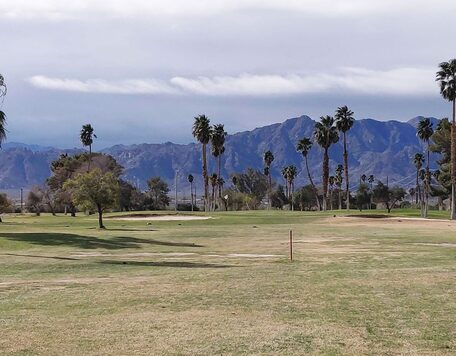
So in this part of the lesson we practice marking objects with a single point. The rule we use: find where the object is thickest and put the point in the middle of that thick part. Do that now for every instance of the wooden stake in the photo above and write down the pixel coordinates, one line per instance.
(291, 245)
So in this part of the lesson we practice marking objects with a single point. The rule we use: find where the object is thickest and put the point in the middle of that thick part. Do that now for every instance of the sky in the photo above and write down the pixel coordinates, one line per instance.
(140, 70)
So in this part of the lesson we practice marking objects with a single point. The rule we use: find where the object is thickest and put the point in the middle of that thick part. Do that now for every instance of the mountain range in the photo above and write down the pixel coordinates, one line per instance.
(382, 148)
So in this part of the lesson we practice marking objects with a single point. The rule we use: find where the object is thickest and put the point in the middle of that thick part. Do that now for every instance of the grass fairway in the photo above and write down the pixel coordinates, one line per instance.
(225, 286)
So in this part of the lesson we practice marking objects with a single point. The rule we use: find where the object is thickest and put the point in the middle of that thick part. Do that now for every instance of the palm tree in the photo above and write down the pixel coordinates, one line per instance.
(3, 91)
(202, 132)
(362, 179)
(292, 172)
(418, 161)
(304, 145)
(339, 180)
(424, 131)
(214, 181)
(371, 180)
(2, 127)
(332, 181)
(284, 172)
(218, 148)
(268, 158)
(326, 134)
(87, 135)
(190, 180)
(344, 122)
(446, 76)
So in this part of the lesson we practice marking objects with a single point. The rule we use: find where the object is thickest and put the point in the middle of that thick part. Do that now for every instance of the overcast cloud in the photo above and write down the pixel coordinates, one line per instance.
(140, 70)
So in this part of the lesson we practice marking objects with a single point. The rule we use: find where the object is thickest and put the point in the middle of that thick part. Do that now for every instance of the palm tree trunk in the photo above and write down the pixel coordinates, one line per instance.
(325, 179)
(219, 163)
(340, 200)
(291, 195)
(428, 186)
(347, 183)
(90, 158)
(270, 189)
(206, 180)
(191, 193)
(417, 192)
(453, 163)
(313, 185)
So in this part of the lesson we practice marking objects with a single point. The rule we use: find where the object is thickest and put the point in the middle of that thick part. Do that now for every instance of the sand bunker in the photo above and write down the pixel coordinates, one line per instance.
(159, 217)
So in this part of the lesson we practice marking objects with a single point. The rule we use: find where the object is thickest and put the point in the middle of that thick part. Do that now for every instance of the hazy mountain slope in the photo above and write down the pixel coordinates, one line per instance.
(376, 147)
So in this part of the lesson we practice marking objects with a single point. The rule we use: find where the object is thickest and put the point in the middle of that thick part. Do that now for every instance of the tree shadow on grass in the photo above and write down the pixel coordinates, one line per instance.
(176, 264)
(86, 242)
(37, 256)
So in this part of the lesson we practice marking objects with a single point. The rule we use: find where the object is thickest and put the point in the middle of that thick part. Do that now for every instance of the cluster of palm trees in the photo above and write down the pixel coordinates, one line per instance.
(289, 174)
(215, 135)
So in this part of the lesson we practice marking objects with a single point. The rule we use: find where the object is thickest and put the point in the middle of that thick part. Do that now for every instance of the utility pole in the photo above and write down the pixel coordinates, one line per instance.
(175, 190)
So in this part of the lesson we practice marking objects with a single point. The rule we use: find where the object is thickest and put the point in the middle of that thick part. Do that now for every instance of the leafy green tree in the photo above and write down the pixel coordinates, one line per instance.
(388, 196)
(268, 158)
(252, 183)
(424, 131)
(5, 205)
(158, 193)
(279, 198)
(304, 145)
(446, 76)
(202, 131)
(326, 134)
(344, 122)
(87, 135)
(304, 198)
(131, 198)
(95, 190)
(34, 202)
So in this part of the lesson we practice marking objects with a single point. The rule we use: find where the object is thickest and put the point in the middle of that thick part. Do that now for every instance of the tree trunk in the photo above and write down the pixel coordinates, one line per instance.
(417, 193)
(270, 188)
(325, 179)
(206, 180)
(291, 195)
(453, 163)
(191, 193)
(90, 158)
(428, 178)
(347, 184)
(340, 200)
(219, 163)
(100, 217)
(313, 185)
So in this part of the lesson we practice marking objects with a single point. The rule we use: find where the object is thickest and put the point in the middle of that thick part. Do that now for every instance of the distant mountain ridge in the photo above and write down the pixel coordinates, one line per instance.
(382, 148)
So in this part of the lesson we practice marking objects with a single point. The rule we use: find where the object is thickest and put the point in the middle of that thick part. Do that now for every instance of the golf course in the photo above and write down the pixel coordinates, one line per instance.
(223, 283)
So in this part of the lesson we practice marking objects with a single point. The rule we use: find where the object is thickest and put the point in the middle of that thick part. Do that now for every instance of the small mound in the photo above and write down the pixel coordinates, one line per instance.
(158, 217)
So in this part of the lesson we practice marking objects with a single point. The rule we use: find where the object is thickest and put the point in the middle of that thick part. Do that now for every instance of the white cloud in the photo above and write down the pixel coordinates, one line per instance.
(132, 86)
(401, 81)
(96, 9)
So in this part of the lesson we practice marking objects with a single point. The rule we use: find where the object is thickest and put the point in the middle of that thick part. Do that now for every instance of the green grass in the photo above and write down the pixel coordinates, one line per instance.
(226, 286)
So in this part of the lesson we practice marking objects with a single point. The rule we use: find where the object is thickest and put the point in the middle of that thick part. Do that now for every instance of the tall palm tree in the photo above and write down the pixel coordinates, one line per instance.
(2, 127)
(304, 145)
(344, 122)
(87, 135)
(268, 158)
(202, 132)
(446, 76)
(284, 172)
(331, 181)
(190, 179)
(424, 131)
(214, 181)
(371, 180)
(218, 148)
(339, 180)
(292, 172)
(418, 161)
(326, 134)
(3, 91)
